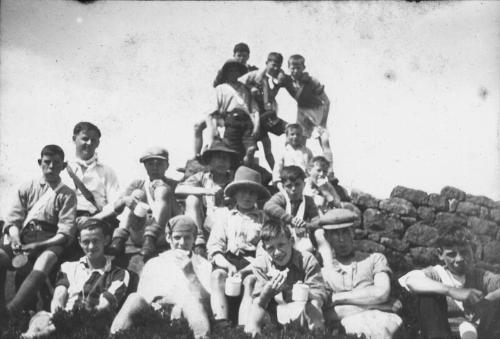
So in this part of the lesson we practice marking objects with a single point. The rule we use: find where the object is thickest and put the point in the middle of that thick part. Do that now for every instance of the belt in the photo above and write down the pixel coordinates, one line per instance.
(37, 225)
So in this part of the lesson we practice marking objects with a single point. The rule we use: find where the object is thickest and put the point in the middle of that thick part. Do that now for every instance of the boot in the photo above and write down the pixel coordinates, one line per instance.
(117, 246)
(148, 250)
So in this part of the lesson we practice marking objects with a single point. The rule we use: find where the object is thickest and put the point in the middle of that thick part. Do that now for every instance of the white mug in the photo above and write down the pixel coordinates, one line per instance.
(467, 330)
(141, 209)
(233, 286)
(300, 292)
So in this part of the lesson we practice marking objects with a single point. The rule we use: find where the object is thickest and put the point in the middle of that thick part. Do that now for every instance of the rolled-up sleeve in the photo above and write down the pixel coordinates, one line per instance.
(67, 213)
(18, 210)
(275, 208)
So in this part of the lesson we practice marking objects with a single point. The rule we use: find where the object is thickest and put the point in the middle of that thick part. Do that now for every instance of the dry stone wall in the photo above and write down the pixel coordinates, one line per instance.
(405, 226)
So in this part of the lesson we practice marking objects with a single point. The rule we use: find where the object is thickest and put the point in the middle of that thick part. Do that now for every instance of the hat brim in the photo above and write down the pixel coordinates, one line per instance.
(205, 157)
(262, 192)
(338, 226)
(152, 157)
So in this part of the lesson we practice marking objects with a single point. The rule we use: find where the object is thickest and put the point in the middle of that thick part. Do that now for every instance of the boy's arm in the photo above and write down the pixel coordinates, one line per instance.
(57, 240)
(59, 299)
(16, 216)
(275, 208)
(112, 189)
(217, 241)
(326, 104)
(193, 186)
(256, 123)
(314, 279)
(377, 293)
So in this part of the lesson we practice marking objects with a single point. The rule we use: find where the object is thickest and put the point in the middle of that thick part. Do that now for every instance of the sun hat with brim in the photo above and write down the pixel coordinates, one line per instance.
(247, 178)
(337, 218)
(242, 69)
(219, 146)
(155, 152)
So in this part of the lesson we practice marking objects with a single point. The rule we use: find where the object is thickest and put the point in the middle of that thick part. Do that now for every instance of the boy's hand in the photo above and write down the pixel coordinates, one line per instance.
(200, 250)
(254, 91)
(29, 248)
(231, 270)
(130, 202)
(299, 223)
(470, 295)
(278, 280)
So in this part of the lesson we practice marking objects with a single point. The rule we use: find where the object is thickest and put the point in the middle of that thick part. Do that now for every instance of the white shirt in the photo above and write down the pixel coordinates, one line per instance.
(99, 179)
(292, 157)
(173, 275)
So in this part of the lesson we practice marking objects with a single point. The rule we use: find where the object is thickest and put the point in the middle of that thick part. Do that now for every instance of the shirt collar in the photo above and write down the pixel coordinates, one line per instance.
(254, 211)
(88, 163)
(107, 266)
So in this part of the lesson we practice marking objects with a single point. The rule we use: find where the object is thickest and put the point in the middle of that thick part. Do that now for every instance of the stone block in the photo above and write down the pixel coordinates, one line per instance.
(368, 246)
(426, 214)
(423, 256)
(421, 234)
(453, 193)
(408, 221)
(438, 202)
(374, 236)
(484, 213)
(372, 218)
(444, 219)
(467, 208)
(360, 233)
(480, 200)
(482, 226)
(395, 244)
(453, 205)
(416, 197)
(491, 252)
(398, 206)
(364, 200)
(495, 215)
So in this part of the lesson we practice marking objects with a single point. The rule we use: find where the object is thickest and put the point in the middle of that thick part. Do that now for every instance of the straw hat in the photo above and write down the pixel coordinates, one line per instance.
(247, 178)
(337, 218)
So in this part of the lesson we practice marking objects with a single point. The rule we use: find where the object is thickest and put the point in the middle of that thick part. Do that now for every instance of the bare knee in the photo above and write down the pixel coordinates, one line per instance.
(218, 276)
(193, 202)
(45, 261)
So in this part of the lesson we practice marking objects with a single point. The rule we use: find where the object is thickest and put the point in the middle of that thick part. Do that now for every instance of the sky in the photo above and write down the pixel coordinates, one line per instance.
(414, 86)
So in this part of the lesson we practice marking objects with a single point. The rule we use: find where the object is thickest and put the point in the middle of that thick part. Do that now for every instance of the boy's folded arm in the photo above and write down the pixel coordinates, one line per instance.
(377, 293)
(59, 299)
(495, 295)
(274, 207)
(417, 282)
(326, 104)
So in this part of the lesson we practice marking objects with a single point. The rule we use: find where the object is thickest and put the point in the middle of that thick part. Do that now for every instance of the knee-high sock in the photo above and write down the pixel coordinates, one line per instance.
(27, 291)
(3, 276)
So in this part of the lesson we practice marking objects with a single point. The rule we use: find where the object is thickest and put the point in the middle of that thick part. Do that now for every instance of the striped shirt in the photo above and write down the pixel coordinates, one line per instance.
(85, 284)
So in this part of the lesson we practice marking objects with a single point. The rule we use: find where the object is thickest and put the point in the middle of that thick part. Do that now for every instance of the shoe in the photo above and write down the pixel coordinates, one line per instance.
(117, 246)
(148, 250)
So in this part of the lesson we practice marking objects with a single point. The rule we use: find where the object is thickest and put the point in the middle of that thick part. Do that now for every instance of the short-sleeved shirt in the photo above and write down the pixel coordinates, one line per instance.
(233, 231)
(229, 98)
(360, 275)
(99, 179)
(85, 284)
(260, 79)
(306, 91)
(205, 179)
(173, 277)
(59, 210)
(292, 157)
(302, 266)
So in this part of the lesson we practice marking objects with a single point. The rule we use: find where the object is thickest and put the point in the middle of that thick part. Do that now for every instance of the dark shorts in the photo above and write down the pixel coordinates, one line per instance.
(270, 122)
(238, 132)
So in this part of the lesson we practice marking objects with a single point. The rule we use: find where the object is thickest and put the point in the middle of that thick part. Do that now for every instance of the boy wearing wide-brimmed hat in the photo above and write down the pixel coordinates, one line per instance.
(234, 235)
(205, 190)
(233, 107)
(155, 194)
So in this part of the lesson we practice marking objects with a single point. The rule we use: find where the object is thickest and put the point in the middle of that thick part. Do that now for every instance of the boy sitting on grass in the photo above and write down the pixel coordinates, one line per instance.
(313, 104)
(294, 208)
(157, 191)
(277, 271)
(456, 288)
(205, 190)
(176, 277)
(93, 282)
(326, 195)
(234, 235)
(294, 154)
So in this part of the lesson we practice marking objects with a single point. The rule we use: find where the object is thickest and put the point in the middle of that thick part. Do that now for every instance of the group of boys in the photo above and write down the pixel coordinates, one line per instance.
(232, 232)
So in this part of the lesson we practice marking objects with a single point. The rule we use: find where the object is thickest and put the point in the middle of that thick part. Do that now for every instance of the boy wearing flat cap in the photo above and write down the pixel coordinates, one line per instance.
(233, 107)
(155, 193)
(359, 286)
(205, 190)
(177, 276)
(234, 235)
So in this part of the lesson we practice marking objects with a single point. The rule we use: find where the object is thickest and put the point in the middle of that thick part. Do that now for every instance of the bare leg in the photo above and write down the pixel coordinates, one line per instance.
(134, 305)
(198, 136)
(254, 320)
(218, 298)
(246, 301)
(266, 144)
(324, 142)
(195, 211)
